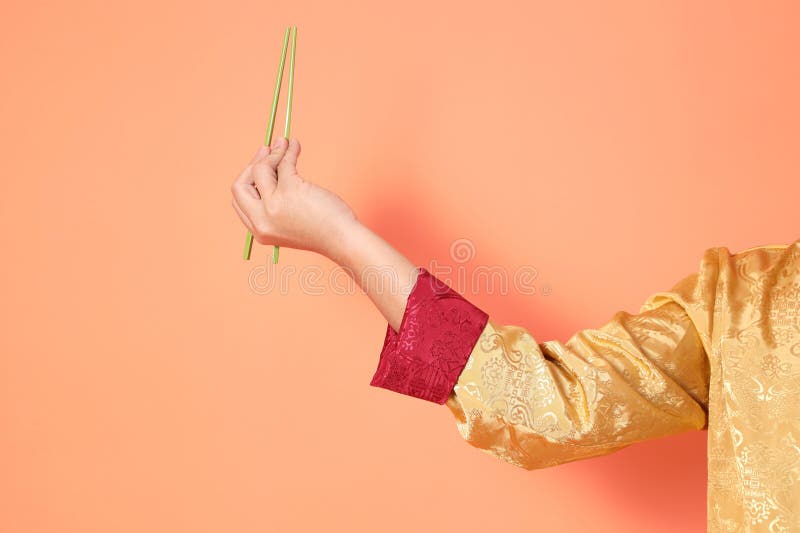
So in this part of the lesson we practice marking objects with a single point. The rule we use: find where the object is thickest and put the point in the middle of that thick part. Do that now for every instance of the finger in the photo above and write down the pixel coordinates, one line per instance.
(288, 164)
(265, 177)
(245, 177)
(245, 183)
(260, 153)
(247, 198)
(279, 146)
(253, 216)
(242, 215)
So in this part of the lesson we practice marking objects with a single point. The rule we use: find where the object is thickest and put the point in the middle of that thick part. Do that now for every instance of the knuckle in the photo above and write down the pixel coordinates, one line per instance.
(274, 208)
(244, 174)
(298, 185)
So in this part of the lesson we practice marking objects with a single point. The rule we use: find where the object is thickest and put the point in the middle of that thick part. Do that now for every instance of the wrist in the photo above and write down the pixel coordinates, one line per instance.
(346, 235)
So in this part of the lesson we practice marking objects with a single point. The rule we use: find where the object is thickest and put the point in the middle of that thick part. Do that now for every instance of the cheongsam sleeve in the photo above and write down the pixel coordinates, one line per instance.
(437, 333)
(538, 403)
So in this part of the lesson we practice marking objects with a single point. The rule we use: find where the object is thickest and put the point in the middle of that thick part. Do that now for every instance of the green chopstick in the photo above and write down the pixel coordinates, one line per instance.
(288, 125)
(248, 245)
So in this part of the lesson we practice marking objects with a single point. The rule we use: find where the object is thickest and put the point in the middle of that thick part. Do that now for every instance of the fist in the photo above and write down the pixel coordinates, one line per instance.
(281, 208)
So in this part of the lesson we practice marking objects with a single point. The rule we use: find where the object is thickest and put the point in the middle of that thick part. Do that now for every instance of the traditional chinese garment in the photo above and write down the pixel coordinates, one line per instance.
(719, 351)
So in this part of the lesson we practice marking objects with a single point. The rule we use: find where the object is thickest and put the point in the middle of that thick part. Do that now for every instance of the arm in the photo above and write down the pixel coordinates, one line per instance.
(359, 251)
(636, 377)
(530, 403)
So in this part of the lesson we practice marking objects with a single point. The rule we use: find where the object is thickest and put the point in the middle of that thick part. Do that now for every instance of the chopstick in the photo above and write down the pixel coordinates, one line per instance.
(248, 245)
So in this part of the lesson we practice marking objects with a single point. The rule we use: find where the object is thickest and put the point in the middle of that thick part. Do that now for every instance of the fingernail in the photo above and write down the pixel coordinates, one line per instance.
(262, 151)
(278, 142)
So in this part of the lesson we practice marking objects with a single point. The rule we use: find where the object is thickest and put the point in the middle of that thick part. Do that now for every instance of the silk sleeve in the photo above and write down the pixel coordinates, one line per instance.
(437, 333)
(636, 377)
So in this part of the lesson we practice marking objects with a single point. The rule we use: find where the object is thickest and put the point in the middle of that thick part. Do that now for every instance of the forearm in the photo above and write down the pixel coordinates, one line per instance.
(383, 273)
(431, 328)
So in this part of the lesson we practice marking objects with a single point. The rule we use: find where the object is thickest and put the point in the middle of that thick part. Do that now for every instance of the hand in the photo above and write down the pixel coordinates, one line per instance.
(281, 208)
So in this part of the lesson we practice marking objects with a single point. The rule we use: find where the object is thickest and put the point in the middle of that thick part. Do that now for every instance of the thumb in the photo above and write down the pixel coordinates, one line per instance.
(277, 151)
(288, 164)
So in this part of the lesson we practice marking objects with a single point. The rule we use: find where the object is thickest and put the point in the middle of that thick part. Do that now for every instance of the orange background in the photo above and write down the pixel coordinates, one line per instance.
(145, 387)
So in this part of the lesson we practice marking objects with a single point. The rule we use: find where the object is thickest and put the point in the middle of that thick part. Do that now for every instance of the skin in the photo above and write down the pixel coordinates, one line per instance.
(282, 208)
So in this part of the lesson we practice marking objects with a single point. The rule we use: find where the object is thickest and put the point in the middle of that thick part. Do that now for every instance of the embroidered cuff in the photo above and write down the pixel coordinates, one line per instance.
(438, 331)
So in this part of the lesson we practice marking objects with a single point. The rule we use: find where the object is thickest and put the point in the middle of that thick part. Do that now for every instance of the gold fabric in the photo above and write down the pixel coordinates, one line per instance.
(720, 351)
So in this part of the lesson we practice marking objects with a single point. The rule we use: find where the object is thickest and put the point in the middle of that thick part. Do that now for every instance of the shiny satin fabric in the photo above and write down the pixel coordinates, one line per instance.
(719, 351)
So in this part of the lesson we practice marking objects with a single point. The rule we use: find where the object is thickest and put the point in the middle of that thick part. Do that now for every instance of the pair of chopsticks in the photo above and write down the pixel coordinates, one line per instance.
(248, 245)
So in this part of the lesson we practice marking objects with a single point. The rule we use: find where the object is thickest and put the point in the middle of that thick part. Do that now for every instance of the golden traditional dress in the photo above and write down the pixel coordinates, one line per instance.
(719, 351)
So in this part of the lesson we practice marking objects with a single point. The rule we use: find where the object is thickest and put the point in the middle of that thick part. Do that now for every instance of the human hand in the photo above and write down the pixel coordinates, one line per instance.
(281, 208)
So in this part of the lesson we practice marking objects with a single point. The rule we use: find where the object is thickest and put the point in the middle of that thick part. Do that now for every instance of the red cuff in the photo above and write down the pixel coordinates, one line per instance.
(438, 331)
